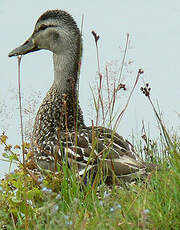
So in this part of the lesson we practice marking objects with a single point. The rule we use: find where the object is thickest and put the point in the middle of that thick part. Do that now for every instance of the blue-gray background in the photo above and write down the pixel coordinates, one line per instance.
(154, 28)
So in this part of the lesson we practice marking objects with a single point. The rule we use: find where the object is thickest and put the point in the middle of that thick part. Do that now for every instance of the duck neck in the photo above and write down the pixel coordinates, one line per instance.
(65, 73)
(65, 84)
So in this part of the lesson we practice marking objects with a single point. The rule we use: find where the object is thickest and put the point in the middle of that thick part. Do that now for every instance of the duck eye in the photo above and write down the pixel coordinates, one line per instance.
(55, 35)
(43, 27)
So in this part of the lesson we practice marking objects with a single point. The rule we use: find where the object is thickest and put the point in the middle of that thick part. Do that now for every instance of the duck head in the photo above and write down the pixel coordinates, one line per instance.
(55, 31)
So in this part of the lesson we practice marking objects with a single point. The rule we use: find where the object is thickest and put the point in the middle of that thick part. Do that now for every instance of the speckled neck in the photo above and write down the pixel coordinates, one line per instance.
(65, 73)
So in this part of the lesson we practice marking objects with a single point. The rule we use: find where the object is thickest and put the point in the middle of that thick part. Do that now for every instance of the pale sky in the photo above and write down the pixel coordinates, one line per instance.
(155, 43)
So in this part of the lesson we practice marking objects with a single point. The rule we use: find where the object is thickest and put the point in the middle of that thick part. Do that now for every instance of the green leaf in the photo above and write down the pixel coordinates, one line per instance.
(5, 155)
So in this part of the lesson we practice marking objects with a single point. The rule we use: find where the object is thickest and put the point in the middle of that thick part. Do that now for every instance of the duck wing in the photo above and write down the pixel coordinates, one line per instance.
(90, 147)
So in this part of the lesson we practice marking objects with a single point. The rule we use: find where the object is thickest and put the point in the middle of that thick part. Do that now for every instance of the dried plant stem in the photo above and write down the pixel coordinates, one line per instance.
(166, 135)
(13, 221)
(108, 88)
(22, 137)
(146, 91)
(127, 103)
(82, 23)
(123, 61)
(100, 99)
(20, 108)
(113, 100)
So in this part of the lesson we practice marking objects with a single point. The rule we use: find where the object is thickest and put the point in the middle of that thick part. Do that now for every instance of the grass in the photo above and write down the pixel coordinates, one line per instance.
(61, 201)
(64, 202)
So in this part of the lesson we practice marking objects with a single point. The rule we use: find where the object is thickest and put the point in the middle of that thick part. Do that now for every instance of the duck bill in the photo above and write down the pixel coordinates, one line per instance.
(25, 48)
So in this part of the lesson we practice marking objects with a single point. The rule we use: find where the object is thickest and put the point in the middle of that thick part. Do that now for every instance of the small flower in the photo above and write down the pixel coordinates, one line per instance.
(46, 190)
(58, 197)
(26, 145)
(69, 222)
(49, 190)
(141, 71)
(66, 217)
(96, 37)
(55, 208)
(118, 206)
(146, 211)
(106, 194)
(146, 90)
(112, 209)
(40, 179)
(29, 202)
(7, 147)
(121, 86)
(17, 147)
(3, 138)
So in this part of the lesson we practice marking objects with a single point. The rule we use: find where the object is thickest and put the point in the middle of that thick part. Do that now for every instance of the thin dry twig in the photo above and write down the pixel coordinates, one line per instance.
(127, 103)
(20, 108)
(146, 91)
(123, 61)
(13, 221)
(82, 23)
(113, 99)
(100, 99)
(21, 125)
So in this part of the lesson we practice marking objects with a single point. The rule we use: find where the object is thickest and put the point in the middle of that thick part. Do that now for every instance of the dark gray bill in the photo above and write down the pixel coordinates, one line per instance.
(27, 47)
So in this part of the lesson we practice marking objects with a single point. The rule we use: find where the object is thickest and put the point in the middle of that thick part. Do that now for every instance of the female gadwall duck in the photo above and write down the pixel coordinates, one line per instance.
(59, 131)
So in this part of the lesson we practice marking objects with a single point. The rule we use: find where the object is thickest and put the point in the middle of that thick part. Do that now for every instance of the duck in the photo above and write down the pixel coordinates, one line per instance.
(59, 131)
